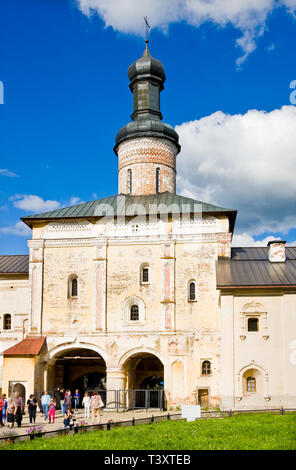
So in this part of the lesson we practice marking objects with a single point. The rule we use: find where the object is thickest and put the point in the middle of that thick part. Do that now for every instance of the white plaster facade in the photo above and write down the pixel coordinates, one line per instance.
(181, 333)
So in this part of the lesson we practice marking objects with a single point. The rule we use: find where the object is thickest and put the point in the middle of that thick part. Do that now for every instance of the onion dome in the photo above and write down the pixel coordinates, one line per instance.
(146, 67)
(146, 82)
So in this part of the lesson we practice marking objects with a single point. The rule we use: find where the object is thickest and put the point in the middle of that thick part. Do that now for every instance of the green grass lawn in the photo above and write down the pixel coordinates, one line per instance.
(246, 431)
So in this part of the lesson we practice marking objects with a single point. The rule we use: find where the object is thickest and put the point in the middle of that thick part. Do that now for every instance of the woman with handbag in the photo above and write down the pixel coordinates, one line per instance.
(96, 404)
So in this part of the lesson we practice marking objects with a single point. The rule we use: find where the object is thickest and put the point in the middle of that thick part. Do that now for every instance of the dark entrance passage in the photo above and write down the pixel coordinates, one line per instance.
(81, 369)
(90, 382)
(145, 381)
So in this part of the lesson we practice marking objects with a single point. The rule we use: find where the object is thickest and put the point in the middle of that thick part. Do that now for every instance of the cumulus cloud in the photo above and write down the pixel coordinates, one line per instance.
(33, 203)
(10, 174)
(244, 239)
(19, 229)
(249, 17)
(245, 162)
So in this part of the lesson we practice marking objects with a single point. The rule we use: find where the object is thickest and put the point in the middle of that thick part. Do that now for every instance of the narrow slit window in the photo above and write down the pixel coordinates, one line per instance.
(157, 180)
(129, 181)
(192, 291)
(74, 287)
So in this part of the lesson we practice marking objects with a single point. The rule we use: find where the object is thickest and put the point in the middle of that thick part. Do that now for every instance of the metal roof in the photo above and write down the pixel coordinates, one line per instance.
(123, 204)
(250, 267)
(14, 264)
(27, 347)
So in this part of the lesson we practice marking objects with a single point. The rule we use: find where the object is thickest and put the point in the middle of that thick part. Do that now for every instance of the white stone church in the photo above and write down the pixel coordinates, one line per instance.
(142, 290)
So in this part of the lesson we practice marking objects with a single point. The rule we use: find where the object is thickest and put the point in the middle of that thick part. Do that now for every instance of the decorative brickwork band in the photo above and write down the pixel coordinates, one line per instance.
(147, 166)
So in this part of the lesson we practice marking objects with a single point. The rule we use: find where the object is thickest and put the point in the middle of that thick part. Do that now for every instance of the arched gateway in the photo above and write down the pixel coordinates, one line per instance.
(145, 380)
(141, 376)
(80, 368)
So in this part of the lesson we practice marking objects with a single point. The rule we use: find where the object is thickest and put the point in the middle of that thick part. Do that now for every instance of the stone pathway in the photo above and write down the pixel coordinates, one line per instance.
(115, 416)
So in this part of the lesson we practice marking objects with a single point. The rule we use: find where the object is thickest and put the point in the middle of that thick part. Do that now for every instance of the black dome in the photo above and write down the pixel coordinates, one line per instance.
(145, 67)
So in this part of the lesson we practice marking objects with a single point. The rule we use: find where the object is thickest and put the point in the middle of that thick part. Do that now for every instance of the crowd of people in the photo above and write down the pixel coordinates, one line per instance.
(13, 409)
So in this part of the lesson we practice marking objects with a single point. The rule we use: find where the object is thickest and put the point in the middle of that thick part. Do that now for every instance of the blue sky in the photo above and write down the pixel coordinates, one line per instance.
(66, 95)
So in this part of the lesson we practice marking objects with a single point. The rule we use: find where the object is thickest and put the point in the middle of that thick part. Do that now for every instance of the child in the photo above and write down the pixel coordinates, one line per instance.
(51, 410)
(76, 399)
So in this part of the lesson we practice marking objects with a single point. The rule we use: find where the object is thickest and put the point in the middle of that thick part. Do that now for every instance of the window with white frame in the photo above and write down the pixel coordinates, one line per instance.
(134, 311)
(145, 273)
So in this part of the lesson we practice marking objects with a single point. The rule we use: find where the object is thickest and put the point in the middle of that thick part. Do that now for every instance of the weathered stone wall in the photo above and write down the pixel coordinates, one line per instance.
(62, 313)
(179, 332)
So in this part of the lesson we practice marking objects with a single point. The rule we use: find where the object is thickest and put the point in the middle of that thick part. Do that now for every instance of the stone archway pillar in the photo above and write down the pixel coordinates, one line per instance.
(115, 385)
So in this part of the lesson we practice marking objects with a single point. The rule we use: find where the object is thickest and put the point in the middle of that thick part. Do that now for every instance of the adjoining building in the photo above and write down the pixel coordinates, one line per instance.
(142, 290)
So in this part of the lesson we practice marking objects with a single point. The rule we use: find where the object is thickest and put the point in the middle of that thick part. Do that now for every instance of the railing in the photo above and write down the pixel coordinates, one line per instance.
(120, 399)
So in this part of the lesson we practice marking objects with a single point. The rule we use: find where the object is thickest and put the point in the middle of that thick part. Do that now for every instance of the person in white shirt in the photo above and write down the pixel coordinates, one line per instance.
(86, 404)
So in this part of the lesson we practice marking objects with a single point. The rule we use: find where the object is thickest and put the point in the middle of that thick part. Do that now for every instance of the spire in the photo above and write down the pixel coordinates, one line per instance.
(147, 79)
(146, 147)
(146, 82)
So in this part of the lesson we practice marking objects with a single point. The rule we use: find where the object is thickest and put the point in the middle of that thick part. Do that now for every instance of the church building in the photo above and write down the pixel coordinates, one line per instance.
(142, 290)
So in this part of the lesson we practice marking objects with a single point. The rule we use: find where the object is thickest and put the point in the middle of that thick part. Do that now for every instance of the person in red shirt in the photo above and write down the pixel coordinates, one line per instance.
(1, 408)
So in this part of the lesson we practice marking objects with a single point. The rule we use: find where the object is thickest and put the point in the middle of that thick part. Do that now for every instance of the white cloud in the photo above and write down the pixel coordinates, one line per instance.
(19, 229)
(245, 162)
(244, 239)
(73, 201)
(10, 174)
(32, 203)
(249, 17)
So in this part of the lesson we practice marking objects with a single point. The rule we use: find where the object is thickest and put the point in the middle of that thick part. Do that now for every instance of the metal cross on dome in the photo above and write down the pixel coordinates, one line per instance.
(148, 27)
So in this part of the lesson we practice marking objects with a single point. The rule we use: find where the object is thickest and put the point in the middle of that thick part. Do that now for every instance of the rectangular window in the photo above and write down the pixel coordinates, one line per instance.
(145, 277)
(7, 322)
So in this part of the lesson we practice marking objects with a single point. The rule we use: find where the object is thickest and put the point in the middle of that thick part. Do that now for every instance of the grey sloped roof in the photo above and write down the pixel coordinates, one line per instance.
(125, 204)
(14, 264)
(250, 267)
